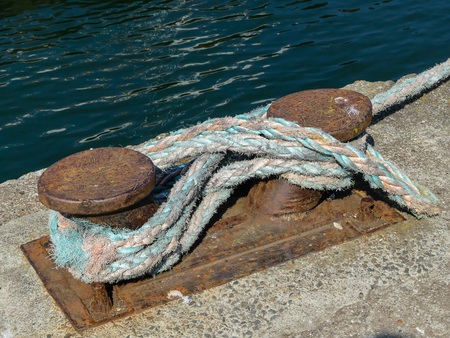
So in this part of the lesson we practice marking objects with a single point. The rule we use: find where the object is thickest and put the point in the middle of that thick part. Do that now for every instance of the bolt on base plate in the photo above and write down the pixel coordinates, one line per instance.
(235, 246)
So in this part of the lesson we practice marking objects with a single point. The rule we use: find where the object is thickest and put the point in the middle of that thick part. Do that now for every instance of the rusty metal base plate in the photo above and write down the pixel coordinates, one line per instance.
(235, 246)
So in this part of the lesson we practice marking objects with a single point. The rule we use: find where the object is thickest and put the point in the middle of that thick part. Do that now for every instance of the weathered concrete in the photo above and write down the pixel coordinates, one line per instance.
(19, 197)
(394, 283)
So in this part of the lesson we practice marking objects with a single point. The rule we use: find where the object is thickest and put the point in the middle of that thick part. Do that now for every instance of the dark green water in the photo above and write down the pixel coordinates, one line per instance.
(82, 74)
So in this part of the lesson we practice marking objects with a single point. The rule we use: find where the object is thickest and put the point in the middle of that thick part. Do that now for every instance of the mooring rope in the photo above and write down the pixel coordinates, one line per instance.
(410, 87)
(224, 153)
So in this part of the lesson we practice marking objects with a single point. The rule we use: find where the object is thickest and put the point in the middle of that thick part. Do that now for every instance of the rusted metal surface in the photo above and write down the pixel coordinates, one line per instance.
(277, 197)
(101, 300)
(97, 181)
(341, 113)
(74, 298)
(240, 243)
(367, 213)
(131, 218)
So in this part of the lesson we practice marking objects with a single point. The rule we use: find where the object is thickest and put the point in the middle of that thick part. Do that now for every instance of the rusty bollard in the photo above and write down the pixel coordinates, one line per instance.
(344, 114)
(106, 186)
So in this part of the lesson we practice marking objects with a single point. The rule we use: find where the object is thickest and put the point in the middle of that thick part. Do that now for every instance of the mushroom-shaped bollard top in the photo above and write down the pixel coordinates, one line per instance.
(342, 113)
(97, 181)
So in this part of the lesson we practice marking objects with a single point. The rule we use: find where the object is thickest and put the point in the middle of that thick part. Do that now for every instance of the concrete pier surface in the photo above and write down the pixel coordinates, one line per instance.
(393, 283)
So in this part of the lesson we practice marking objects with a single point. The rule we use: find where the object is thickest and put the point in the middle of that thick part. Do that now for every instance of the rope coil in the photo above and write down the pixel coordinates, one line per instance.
(226, 152)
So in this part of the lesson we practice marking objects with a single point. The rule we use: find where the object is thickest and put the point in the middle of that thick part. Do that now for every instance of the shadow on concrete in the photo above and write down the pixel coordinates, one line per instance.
(391, 110)
(390, 335)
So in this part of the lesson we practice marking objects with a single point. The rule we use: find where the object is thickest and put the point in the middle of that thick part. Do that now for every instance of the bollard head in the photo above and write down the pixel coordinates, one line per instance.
(342, 113)
(97, 181)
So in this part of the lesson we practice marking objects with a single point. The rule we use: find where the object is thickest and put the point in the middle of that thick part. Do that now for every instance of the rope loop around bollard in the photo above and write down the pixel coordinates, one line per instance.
(224, 153)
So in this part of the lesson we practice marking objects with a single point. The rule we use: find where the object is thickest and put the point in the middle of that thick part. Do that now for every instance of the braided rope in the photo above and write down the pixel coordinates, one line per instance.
(226, 153)
(411, 87)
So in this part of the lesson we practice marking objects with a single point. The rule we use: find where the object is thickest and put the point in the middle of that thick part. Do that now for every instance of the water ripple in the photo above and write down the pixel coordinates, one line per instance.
(77, 74)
